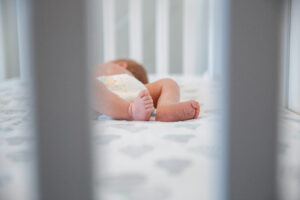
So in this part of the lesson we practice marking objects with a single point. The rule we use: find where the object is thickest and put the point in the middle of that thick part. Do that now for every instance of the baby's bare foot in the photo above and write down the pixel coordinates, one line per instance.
(178, 111)
(142, 107)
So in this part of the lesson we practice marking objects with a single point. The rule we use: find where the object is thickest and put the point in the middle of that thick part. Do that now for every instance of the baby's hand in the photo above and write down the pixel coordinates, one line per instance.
(142, 107)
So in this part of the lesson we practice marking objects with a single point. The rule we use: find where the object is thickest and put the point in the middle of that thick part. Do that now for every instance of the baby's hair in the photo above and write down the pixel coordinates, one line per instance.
(137, 70)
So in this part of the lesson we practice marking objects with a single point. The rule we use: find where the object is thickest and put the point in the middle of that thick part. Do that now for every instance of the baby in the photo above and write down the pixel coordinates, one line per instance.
(122, 91)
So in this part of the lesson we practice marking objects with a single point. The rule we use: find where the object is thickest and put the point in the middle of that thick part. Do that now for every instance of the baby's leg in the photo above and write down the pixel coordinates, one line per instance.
(108, 103)
(166, 95)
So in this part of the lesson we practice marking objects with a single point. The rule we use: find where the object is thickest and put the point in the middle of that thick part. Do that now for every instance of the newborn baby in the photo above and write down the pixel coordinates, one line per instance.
(122, 91)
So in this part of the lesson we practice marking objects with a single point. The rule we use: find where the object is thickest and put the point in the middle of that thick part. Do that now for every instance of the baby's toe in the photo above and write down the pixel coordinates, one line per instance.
(149, 106)
(149, 101)
(150, 109)
(195, 104)
(147, 97)
(143, 93)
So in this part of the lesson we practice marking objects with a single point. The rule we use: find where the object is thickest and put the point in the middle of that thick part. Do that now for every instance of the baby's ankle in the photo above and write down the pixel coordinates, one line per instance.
(130, 112)
(162, 113)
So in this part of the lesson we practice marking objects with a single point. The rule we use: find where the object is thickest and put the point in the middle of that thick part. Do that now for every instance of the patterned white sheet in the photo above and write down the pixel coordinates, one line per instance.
(140, 160)
(156, 160)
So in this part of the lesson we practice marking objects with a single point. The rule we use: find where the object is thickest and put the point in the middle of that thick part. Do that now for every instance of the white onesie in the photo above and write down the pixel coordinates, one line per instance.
(125, 86)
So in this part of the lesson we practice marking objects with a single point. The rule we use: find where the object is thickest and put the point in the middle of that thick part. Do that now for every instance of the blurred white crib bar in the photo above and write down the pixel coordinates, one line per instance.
(2, 62)
(162, 36)
(294, 70)
(212, 39)
(109, 38)
(9, 55)
(190, 13)
(194, 35)
(135, 30)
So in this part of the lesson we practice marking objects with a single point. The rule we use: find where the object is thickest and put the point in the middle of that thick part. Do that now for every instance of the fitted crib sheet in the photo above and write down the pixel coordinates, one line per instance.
(161, 160)
(140, 160)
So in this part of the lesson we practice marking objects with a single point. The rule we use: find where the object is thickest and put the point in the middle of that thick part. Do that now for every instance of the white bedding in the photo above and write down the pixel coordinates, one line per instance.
(138, 160)
(156, 160)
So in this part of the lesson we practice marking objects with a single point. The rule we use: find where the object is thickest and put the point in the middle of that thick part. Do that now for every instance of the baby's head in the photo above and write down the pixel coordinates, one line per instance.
(137, 70)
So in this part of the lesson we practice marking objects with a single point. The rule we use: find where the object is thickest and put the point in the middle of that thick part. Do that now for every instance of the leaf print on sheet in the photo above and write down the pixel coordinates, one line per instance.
(150, 194)
(132, 128)
(19, 140)
(136, 151)
(4, 180)
(206, 150)
(191, 126)
(174, 166)
(180, 138)
(124, 182)
(21, 156)
(105, 139)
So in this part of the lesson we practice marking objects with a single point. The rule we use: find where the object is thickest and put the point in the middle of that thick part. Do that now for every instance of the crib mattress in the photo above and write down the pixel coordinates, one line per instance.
(139, 160)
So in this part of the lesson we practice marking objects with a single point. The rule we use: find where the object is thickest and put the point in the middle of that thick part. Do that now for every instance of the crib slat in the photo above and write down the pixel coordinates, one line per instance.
(2, 56)
(212, 39)
(95, 39)
(294, 71)
(23, 24)
(162, 36)
(61, 99)
(285, 51)
(190, 10)
(135, 30)
(250, 59)
(109, 36)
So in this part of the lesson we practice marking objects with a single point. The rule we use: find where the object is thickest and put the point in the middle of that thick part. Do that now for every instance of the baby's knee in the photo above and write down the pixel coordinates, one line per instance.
(170, 82)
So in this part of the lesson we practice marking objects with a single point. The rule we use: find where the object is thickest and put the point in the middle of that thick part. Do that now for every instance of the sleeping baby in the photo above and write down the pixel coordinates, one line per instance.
(122, 91)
